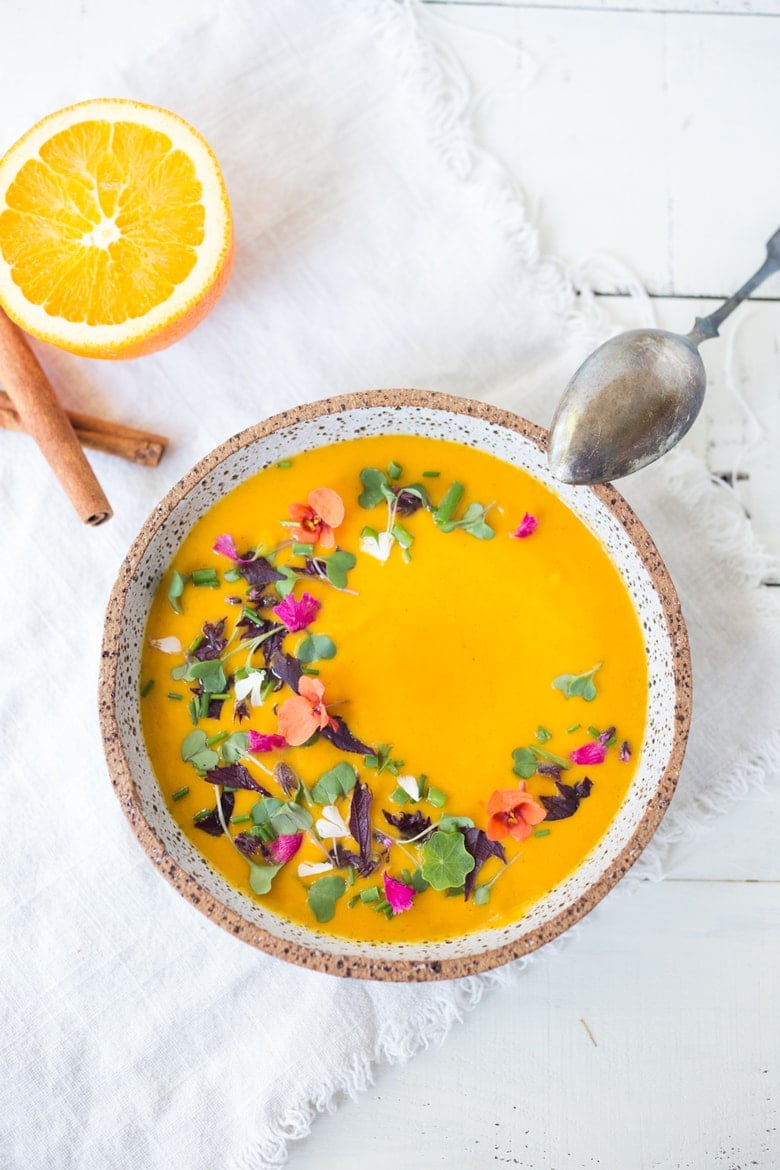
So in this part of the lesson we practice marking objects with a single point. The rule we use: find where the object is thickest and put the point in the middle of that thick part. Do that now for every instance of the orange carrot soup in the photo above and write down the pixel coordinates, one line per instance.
(394, 689)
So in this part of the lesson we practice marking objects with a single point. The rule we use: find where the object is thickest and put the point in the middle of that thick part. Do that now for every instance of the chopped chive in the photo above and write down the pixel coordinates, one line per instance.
(542, 832)
(574, 727)
(207, 577)
(431, 474)
(382, 905)
(194, 709)
(218, 737)
(195, 644)
(436, 797)
(353, 901)
(310, 670)
(394, 470)
(240, 820)
(594, 731)
(180, 792)
(302, 550)
(351, 875)
(612, 740)
(446, 508)
(284, 464)
(223, 697)
(147, 687)
(542, 734)
(232, 575)
(174, 695)
(202, 815)
(371, 894)
(399, 795)
(203, 706)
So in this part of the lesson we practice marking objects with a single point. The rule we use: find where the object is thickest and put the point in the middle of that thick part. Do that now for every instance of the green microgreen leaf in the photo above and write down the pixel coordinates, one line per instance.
(261, 877)
(210, 675)
(235, 746)
(525, 763)
(578, 685)
(323, 895)
(231, 575)
(194, 751)
(336, 782)
(179, 672)
(419, 882)
(542, 734)
(481, 895)
(315, 647)
(445, 860)
(448, 824)
(337, 565)
(287, 584)
(394, 470)
(374, 482)
(382, 761)
(175, 590)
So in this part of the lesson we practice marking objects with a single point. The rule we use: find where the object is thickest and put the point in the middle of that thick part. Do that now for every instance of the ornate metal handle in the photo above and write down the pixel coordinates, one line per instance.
(706, 327)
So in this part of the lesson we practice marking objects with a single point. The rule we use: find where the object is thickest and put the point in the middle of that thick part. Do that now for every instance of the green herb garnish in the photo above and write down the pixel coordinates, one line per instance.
(578, 685)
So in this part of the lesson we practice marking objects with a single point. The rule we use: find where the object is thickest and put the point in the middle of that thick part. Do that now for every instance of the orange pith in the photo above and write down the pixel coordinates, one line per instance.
(110, 226)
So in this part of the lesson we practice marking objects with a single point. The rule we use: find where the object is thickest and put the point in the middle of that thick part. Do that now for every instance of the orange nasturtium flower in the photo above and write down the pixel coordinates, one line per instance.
(513, 812)
(314, 521)
(304, 713)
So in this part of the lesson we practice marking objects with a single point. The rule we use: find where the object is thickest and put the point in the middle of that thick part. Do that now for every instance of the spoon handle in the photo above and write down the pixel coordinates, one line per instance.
(706, 327)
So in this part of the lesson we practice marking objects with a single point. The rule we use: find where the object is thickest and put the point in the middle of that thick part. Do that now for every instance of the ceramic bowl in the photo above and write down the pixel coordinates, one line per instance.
(605, 513)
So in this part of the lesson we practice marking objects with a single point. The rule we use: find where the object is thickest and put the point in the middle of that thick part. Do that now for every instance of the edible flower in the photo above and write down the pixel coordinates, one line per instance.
(167, 645)
(332, 823)
(377, 545)
(399, 895)
(297, 615)
(526, 527)
(315, 521)
(589, 753)
(251, 687)
(625, 752)
(512, 811)
(310, 868)
(304, 713)
(284, 847)
(226, 546)
(259, 742)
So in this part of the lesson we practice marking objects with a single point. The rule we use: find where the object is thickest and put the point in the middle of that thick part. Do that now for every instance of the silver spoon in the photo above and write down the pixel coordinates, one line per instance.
(637, 395)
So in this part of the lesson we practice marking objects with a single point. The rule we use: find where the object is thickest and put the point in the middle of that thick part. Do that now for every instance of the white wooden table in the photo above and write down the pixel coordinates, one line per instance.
(652, 1039)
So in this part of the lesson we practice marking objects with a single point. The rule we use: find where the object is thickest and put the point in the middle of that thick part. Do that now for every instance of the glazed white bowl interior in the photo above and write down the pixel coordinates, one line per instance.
(514, 448)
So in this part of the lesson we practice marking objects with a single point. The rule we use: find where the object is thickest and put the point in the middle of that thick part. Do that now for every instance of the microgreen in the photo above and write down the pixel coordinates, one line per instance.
(578, 685)
(526, 760)
(175, 590)
(235, 776)
(234, 747)
(447, 824)
(337, 565)
(481, 848)
(336, 782)
(281, 816)
(472, 521)
(445, 860)
(375, 487)
(315, 647)
(409, 825)
(213, 821)
(542, 734)
(360, 823)
(261, 877)
(341, 737)
(381, 760)
(195, 752)
(209, 674)
(323, 895)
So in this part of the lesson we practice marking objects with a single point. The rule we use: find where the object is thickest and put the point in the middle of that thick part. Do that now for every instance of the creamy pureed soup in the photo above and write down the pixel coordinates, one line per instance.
(394, 689)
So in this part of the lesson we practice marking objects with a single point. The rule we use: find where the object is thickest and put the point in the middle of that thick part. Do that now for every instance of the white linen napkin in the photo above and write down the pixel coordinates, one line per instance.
(376, 247)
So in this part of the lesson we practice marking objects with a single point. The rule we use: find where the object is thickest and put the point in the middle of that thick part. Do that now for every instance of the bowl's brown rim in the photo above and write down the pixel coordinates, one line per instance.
(365, 966)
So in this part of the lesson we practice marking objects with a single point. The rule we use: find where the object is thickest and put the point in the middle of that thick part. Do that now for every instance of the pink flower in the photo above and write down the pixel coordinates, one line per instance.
(284, 847)
(297, 615)
(589, 753)
(227, 547)
(625, 752)
(526, 527)
(259, 742)
(399, 895)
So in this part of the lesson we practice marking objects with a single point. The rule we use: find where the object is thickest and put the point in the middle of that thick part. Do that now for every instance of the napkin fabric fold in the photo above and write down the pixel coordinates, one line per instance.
(377, 246)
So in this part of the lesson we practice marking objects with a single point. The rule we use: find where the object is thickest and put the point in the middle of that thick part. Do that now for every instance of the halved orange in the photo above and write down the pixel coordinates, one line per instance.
(115, 230)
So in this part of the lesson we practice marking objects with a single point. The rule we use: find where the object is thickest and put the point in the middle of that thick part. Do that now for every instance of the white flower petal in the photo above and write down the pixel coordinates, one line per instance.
(250, 687)
(332, 823)
(378, 546)
(167, 645)
(309, 868)
(409, 785)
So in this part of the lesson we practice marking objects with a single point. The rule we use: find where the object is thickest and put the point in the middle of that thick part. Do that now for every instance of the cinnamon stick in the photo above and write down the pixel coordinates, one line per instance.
(42, 416)
(142, 447)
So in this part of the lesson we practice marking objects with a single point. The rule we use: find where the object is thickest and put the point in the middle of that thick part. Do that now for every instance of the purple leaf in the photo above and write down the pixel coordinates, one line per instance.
(235, 776)
(406, 503)
(286, 668)
(342, 738)
(565, 805)
(480, 848)
(212, 643)
(212, 824)
(342, 858)
(250, 846)
(408, 824)
(241, 711)
(259, 572)
(360, 818)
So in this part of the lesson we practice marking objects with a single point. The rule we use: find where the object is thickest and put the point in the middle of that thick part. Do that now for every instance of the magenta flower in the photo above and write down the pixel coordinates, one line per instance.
(399, 896)
(526, 527)
(297, 615)
(226, 546)
(284, 847)
(260, 742)
(589, 753)
(625, 752)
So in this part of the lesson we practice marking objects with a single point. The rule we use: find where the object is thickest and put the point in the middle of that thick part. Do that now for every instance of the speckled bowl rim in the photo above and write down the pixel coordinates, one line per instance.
(366, 966)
